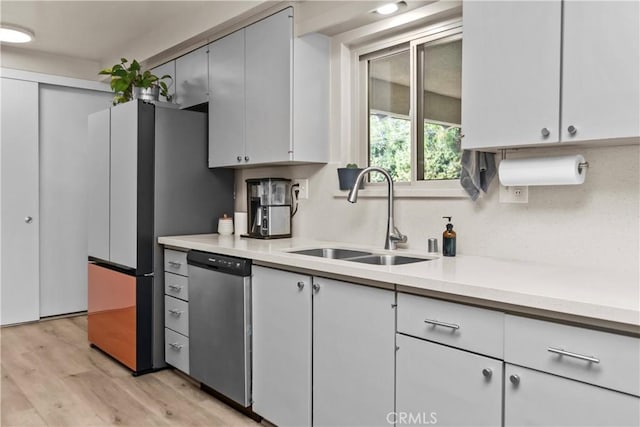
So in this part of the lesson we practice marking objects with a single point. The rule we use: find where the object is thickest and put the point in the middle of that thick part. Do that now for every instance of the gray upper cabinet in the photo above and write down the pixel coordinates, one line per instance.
(258, 77)
(192, 82)
(268, 70)
(167, 69)
(226, 105)
(536, 73)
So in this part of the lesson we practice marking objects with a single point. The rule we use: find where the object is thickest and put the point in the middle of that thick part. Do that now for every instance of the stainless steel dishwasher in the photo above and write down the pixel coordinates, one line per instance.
(220, 323)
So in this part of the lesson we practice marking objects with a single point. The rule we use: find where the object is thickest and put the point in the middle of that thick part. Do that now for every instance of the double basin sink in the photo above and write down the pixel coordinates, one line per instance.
(360, 256)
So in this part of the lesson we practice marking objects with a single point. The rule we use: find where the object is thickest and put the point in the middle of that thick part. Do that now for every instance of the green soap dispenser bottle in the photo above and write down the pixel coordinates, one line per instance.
(449, 239)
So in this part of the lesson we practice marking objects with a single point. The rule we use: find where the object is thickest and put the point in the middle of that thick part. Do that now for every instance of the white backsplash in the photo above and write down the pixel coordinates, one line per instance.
(594, 224)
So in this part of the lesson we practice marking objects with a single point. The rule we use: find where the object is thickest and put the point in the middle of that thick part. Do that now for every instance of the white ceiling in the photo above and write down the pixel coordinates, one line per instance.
(103, 31)
(77, 38)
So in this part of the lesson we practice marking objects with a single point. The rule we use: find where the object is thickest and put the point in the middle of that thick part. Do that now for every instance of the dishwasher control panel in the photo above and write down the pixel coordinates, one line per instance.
(222, 263)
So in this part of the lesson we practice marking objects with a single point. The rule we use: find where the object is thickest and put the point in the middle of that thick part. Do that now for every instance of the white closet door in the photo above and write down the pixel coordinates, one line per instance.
(63, 196)
(19, 217)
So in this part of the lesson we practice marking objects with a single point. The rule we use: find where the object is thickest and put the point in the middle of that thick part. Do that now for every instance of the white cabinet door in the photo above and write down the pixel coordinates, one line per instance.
(19, 232)
(226, 104)
(167, 69)
(281, 315)
(353, 354)
(268, 74)
(540, 399)
(510, 73)
(99, 149)
(600, 84)
(64, 176)
(443, 385)
(192, 81)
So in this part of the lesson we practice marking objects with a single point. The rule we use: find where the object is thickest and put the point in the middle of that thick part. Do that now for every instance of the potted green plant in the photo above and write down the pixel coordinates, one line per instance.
(129, 82)
(347, 176)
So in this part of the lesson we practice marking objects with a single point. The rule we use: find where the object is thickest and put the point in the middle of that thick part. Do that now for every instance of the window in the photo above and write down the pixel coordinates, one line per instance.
(413, 107)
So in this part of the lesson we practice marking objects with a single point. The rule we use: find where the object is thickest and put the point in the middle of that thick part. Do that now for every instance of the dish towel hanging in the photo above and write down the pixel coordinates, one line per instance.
(478, 169)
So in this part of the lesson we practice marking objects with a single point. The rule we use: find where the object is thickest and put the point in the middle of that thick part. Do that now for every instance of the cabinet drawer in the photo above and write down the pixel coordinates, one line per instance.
(176, 350)
(595, 357)
(175, 262)
(457, 325)
(176, 286)
(176, 315)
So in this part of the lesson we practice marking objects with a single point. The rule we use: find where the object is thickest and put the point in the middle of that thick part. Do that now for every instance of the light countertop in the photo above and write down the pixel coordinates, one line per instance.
(595, 297)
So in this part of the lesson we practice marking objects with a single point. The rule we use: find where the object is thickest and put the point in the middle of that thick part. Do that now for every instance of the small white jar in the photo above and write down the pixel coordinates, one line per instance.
(225, 226)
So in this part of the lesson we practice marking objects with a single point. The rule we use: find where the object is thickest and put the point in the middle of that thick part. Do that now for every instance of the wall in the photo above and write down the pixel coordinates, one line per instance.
(40, 62)
(594, 224)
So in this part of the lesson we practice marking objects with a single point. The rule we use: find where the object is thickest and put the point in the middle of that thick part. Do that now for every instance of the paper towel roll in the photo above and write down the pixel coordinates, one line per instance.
(563, 170)
(240, 221)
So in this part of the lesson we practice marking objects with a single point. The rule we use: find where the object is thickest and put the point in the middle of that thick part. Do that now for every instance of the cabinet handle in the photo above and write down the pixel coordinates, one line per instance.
(515, 379)
(175, 312)
(175, 288)
(439, 323)
(301, 285)
(487, 373)
(175, 264)
(545, 132)
(246, 158)
(28, 219)
(562, 352)
(572, 130)
(239, 158)
(316, 287)
(175, 346)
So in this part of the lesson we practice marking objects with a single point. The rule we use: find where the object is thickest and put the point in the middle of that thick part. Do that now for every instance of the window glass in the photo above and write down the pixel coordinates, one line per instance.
(440, 66)
(389, 124)
(424, 144)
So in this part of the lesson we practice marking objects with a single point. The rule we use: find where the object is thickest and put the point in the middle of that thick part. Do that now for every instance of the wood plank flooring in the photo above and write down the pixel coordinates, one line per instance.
(50, 376)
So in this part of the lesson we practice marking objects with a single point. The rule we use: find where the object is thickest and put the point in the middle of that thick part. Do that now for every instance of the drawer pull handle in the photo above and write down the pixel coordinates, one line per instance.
(175, 264)
(175, 346)
(175, 312)
(487, 373)
(439, 323)
(562, 352)
(175, 288)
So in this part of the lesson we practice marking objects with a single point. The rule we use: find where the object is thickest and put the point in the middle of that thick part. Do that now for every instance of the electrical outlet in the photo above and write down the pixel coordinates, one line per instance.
(303, 187)
(514, 194)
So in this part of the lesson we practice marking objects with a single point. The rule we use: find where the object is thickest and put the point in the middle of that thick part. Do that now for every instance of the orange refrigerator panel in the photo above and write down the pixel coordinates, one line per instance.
(112, 314)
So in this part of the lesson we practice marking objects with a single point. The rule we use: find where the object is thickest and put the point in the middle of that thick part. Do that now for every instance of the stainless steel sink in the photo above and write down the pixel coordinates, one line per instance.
(332, 253)
(388, 259)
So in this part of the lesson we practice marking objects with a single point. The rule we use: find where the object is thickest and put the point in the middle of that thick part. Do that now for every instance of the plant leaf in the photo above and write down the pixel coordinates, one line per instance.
(135, 66)
(106, 71)
(123, 60)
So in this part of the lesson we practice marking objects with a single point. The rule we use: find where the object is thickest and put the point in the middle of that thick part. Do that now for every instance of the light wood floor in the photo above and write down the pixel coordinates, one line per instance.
(50, 376)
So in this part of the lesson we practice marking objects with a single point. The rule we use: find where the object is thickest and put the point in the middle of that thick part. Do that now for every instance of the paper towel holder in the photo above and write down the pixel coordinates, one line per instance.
(583, 165)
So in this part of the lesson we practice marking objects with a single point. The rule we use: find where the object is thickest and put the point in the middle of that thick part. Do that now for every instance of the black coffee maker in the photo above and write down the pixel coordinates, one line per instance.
(269, 208)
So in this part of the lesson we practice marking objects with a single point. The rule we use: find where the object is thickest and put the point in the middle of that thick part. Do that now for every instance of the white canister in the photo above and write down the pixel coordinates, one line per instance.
(225, 226)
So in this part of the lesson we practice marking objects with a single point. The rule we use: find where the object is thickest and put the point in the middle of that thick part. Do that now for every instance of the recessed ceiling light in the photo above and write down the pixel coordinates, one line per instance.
(15, 34)
(387, 9)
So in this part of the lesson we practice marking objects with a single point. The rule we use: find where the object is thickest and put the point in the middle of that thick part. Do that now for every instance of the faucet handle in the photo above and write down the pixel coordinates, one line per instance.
(397, 236)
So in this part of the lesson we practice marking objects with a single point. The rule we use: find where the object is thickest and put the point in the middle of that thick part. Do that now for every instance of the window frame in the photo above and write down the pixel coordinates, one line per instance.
(382, 47)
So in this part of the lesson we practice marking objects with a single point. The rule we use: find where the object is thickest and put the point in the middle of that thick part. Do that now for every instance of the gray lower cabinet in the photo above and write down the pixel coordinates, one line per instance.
(281, 316)
(353, 354)
(351, 366)
(436, 384)
(534, 398)
(176, 310)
